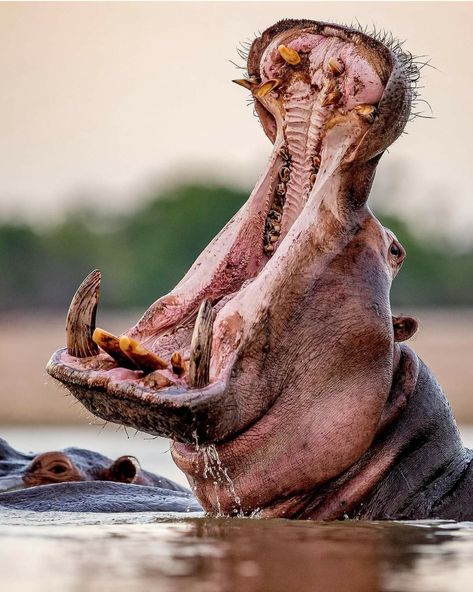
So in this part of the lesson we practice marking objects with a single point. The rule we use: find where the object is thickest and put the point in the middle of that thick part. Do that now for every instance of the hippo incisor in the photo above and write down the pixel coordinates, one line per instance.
(275, 365)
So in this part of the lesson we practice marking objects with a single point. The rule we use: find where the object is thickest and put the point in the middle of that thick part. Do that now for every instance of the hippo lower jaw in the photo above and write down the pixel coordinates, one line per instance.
(262, 361)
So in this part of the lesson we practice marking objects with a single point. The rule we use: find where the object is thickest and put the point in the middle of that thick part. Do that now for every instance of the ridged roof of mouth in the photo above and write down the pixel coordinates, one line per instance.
(327, 96)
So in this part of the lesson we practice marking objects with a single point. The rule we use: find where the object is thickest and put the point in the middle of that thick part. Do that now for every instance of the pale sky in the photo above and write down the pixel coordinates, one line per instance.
(108, 100)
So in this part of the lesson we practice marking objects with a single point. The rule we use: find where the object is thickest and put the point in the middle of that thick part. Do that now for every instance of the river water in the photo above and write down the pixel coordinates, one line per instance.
(66, 552)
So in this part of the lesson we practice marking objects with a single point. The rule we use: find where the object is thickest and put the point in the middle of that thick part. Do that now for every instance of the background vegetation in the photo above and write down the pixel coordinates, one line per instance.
(144, 253)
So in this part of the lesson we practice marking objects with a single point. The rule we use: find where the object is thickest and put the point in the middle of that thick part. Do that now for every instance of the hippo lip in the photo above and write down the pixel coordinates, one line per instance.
(331, 99)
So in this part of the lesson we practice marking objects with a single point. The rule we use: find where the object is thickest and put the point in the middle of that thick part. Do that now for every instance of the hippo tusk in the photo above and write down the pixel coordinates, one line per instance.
(143, 358)
(111, 345)
(201, 346)
(80, 322)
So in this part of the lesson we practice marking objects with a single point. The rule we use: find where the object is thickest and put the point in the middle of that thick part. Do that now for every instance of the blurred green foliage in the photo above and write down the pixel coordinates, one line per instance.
(146, 252)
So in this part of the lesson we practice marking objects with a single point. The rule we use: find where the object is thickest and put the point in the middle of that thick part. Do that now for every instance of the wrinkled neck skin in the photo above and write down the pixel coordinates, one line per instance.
(309, 343)
(424, 471)
(415, 468)
(337, 353)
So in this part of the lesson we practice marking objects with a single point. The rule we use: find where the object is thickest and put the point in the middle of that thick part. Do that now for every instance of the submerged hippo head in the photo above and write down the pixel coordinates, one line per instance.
(271, 363)
(81, 465)
(19, 470)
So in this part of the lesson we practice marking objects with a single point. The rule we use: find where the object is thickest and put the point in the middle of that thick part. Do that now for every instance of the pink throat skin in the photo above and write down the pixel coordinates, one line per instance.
(300, 339)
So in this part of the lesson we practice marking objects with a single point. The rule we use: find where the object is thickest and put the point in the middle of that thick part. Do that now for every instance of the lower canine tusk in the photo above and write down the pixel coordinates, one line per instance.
(201, 346)
(80, 322)
(143, 359)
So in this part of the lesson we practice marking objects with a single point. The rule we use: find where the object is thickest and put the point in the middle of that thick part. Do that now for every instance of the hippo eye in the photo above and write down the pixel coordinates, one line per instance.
(58, 469)
(395, 249)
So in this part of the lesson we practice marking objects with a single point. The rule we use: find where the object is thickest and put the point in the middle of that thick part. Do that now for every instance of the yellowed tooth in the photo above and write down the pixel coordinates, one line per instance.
(266, 87)
(366, 111)
(111, 344)
(281, 189)
(332, 97)
(143, 359)
(289, 55)
(285, 174)
(156, 380)
(178, 364)
(247, 83)
(336, 67)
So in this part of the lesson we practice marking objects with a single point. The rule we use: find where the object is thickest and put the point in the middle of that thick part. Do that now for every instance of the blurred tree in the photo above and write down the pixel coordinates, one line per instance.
(146, 252)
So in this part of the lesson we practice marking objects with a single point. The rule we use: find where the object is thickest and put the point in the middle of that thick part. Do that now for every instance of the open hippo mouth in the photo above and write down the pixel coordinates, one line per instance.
(282, 326)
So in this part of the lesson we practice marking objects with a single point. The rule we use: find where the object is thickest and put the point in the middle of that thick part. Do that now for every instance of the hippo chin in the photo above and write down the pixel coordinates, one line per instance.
(275, 365)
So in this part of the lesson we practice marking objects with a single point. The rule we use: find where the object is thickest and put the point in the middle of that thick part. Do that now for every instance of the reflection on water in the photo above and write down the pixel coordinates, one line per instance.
(64, 552)
(71, 552)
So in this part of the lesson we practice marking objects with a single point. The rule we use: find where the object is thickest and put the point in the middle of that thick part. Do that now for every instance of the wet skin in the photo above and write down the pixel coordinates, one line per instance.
(79, 480)
(275, 365)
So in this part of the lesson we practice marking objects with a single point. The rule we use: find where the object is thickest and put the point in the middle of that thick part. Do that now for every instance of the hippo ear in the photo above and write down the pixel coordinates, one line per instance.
(404, 328)
(124, 469)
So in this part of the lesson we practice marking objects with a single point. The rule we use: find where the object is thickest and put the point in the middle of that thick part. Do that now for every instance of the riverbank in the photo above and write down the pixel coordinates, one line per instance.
(28, 396)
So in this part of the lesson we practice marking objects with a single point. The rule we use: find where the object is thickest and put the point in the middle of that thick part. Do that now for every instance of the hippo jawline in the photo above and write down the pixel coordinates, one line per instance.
(204, 361)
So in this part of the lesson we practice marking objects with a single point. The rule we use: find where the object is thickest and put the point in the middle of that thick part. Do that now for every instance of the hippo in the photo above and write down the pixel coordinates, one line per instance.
(89, 482)
(276, 366)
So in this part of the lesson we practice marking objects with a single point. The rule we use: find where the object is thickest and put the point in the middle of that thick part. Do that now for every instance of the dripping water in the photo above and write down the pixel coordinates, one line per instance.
(214, 469)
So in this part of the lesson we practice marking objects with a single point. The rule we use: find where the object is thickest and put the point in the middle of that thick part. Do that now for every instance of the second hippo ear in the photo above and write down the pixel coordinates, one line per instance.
(124, 469)
(404, 328)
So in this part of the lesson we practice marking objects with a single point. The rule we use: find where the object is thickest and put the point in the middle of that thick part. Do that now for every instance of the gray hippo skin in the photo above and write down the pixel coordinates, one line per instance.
(276, 365)
(79, 480)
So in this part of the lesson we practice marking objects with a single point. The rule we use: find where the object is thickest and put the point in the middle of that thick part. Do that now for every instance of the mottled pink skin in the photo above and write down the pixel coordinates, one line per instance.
(282, 415)
(359, 82)
(114, 374)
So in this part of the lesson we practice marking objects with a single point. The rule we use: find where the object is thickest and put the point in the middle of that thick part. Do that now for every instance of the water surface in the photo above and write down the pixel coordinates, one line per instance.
(92, 552)
(65, 552)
